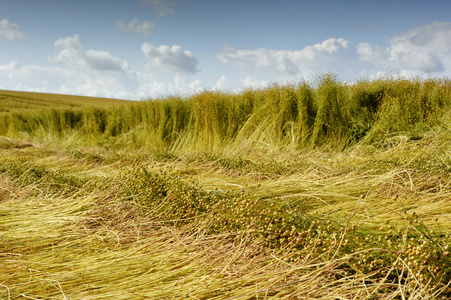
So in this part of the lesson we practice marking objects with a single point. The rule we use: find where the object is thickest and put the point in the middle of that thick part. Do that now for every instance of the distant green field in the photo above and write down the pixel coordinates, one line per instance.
(11, 101)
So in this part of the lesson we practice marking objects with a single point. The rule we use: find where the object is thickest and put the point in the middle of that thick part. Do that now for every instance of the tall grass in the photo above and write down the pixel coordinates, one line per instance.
(327, 113)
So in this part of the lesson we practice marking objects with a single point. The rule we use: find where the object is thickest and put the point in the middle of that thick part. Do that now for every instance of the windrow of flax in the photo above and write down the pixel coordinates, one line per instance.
(279, 117)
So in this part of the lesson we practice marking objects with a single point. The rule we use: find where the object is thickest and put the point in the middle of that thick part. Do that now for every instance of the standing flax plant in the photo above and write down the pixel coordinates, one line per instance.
(330, 114)
(330, 122)
(306, 114)
(410, 107)
(209, 121)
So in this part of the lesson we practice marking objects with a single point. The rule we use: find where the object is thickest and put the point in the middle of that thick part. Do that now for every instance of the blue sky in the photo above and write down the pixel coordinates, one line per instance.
(136, 49)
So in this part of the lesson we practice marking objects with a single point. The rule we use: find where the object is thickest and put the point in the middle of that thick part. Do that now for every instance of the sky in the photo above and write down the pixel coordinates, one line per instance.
(141, 49)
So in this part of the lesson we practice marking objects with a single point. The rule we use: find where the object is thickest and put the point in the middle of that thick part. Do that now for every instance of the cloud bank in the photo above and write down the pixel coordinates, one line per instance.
(419, 50)
(98, 73)
(10, 31)
(171, 69)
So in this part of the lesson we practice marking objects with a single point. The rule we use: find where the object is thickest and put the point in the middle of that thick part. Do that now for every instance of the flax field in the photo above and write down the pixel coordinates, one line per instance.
(310, 190)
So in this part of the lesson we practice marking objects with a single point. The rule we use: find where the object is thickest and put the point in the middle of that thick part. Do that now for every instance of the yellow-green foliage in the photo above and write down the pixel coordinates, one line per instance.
(365, 223)
(327, 113)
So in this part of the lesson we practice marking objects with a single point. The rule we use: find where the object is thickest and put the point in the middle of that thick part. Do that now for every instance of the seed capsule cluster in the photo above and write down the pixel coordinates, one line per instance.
(407, 253)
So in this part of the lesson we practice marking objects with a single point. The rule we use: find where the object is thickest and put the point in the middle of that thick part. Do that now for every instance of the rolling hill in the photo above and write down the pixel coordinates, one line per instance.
(11, 101)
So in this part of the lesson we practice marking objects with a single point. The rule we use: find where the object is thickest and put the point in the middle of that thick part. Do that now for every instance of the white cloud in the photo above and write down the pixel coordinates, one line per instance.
(317, 58)
(95, 73)
(151, 87)
(79, 72)
(70, 54)
(258, 60)
(13, 76)
(104, 61)
(75, 70)
(10, 31)
(253, 82)
(421, 49)
(220, 83)
(170, 58)
(145, 28)
(431, 37)
(163, 7)
(9, 67)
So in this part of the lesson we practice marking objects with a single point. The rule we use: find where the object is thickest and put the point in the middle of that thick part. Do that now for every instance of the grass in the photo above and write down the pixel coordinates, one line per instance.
(218, 197)
(277, 118)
